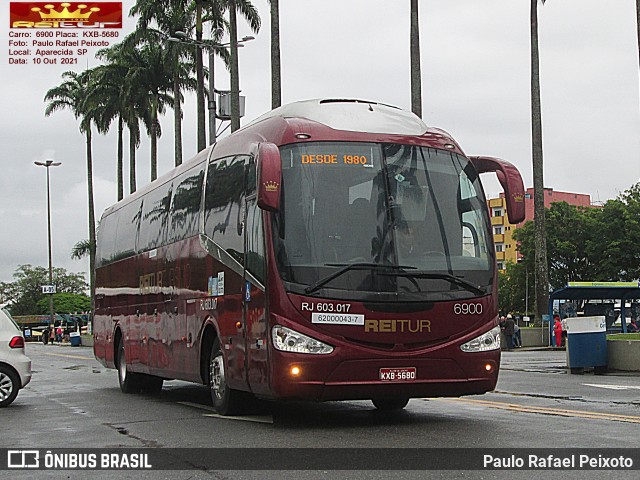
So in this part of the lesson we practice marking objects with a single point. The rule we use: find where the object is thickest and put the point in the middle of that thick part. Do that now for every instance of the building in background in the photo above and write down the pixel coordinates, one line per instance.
(506, 247)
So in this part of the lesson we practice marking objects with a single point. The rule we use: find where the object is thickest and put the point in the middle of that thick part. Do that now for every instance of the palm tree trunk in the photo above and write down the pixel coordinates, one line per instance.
(120, 159)
(235, 79)
(276, 82)
(202, 140)
(416, 80)
(540, 238)
(154, 137)
(132, 160)
(638, 27)
(177, 121)
(92, 221)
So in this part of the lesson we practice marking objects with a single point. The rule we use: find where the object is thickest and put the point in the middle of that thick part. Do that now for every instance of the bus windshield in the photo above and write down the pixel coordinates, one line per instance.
(382, 222)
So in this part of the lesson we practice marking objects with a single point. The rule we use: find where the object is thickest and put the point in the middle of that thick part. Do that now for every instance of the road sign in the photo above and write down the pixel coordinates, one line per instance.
(49, 289)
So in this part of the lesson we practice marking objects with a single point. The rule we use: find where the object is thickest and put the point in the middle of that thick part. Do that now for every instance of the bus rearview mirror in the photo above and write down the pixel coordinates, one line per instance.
(511, 182)
(269, 177)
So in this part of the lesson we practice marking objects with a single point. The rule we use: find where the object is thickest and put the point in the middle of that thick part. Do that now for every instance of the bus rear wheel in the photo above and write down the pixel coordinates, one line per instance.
(129, 382)
(390, 404)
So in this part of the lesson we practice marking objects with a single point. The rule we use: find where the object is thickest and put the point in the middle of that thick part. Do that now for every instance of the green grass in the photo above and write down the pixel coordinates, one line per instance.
(624, 336)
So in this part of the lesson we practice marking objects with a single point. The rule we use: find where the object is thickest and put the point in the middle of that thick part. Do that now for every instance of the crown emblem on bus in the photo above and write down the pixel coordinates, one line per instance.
(518, 197)
(271, 186)
(65, 14)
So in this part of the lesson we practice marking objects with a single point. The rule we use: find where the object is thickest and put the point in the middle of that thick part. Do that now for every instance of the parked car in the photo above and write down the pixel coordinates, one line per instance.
(15, 366)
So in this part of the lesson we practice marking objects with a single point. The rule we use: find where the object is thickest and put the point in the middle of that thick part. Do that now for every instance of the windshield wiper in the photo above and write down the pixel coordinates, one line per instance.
(354, 266)
(467, 285)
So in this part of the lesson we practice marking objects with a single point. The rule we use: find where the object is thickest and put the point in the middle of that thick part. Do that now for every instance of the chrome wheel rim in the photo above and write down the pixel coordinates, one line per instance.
(122, 367)
(6, 386)
(216, 377)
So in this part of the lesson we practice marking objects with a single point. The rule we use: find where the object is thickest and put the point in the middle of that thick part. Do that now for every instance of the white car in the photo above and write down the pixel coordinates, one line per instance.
(15, 366)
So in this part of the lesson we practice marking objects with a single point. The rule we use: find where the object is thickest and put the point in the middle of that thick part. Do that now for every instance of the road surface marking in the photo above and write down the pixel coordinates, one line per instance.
(245, 418)
(68, 356)
(613, 387)
(547, 410)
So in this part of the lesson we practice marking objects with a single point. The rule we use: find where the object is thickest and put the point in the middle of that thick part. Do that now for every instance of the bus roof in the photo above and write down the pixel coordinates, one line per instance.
(352, 115)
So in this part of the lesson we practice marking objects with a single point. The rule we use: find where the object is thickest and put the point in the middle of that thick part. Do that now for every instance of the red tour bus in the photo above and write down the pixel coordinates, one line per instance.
(330, 250)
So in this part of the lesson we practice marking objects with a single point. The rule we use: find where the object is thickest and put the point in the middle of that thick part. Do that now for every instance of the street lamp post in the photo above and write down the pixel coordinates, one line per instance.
(211, 46)
(47, 164)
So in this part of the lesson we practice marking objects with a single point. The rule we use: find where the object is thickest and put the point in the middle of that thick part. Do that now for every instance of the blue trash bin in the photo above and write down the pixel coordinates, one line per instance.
(74, 338)
(587, 344)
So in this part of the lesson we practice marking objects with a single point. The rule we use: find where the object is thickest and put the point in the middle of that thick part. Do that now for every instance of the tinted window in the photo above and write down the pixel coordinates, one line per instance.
(255, 260)
(223, 205)
(186, 204)
(128, 228)
(155, 218)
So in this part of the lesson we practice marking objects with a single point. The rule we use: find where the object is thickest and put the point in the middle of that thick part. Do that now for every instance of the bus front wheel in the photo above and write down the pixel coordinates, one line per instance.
(226, 401)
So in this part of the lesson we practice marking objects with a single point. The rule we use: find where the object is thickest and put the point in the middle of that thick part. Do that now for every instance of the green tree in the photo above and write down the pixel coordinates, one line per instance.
(617, 252)
(76, 93)
(26, 290)
(570, 240)
(149, 73)
(65, 303)
(515, 282)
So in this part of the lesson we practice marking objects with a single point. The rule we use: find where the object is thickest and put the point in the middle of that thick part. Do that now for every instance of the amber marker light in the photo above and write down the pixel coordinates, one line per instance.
(488, 367)
(295, 371)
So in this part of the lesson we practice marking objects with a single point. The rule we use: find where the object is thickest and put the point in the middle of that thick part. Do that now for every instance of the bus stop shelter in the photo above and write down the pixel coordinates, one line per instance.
(623, 292)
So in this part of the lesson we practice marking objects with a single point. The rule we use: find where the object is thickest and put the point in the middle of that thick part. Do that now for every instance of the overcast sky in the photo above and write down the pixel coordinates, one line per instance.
(475, 84)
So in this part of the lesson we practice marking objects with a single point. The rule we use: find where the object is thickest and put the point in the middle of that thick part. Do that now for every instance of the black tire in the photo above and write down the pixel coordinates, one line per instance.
(152, 384)
(129, 382)
(390, 404)
(9, 386)
(225, 400)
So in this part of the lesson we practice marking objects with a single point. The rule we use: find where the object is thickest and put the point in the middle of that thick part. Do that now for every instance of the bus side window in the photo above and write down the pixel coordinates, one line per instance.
(224, 195)
(155, 218)
(186, 205)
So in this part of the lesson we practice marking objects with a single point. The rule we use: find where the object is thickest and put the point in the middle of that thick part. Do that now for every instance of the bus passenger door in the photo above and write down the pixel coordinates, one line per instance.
(254, 301)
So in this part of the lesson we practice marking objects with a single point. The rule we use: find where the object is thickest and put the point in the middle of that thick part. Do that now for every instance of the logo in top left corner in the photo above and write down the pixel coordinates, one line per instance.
(23, 459)
(65, 15)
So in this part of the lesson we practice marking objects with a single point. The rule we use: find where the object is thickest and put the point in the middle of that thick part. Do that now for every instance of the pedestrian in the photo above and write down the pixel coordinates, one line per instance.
(59, 334)
(557, 330)
(517, 336)
(564, 331)
(633, 326)
(509, 328)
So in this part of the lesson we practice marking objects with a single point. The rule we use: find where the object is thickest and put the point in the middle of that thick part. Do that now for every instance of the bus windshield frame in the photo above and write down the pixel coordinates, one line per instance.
(382, 222)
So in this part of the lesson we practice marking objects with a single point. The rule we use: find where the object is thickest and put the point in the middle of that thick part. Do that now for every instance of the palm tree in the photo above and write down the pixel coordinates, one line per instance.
(131, 101)
(541, 268)
(170, 16)
(109, 89)
(76, 94)
(416, 80)
(149, 71)
(276, 81)
(250, 14)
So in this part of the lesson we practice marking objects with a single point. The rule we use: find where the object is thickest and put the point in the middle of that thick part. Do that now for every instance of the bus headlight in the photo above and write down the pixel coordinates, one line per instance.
(483, 343)
(288, 340)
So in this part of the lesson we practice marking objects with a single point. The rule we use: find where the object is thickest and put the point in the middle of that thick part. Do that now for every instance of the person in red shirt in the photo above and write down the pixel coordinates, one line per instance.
(557, 330)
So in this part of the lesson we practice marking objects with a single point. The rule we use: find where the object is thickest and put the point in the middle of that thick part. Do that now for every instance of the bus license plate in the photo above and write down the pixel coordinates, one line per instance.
(402, 374)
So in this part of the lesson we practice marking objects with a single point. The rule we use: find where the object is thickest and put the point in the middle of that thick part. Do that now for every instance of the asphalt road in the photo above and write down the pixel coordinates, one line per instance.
(73, 402)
